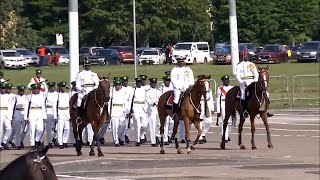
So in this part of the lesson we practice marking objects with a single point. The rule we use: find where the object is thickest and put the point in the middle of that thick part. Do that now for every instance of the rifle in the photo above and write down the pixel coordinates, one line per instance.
(55, 122)
(217, 123)
(131, 107)
(29, 107)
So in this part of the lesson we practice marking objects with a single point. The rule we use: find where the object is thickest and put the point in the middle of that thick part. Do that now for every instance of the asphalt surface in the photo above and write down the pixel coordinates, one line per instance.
(295, 136)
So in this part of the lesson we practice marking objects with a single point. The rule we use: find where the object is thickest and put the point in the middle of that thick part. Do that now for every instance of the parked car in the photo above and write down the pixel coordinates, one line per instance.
(310, 51)
(86, 52)
(125, 52)
(12, 59)
(272, 53)
(151, 56)
(194, 52)
(105, 57)
(223, 55)
(30, 57)
(51, 50)
(294, 51)
(252, 49)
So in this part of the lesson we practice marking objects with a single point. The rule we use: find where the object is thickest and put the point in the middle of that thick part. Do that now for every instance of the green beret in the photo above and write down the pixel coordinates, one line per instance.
(168, 73)
(21, 88)
(86, 63)
(138, 79)
(3, 86)
(35, 86)
(73, 83)
(1, 73)
(51, 84)
(153, 79)
(125, 78)
(8, 85)
(62, 84)
(117, 81)
(38, 71)
(143, 77)
(166, 78)
(225, 77)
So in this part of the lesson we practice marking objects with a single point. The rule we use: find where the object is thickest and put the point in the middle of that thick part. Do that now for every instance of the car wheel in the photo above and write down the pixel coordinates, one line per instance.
(2, 65)
(205, 61)
(194, 61)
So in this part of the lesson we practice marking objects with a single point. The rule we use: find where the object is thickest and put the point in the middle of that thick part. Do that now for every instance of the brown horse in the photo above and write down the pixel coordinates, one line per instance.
(258, 103)
(189, 112)
(95, 112)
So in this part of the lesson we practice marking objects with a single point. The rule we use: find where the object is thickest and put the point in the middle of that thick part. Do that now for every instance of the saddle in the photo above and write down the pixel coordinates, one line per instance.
(169, 101)
(238, 95)
(83, 102)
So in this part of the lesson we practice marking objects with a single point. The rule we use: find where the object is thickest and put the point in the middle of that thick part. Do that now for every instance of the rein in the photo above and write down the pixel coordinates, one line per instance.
(192, 103)
(256, 96)
(43, 167)
(101, 107)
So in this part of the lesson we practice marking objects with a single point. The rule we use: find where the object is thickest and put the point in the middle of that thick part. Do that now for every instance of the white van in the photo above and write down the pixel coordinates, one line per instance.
(194, 52)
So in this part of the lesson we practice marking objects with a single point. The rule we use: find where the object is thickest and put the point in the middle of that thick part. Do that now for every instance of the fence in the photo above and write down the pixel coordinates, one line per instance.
(306, 89)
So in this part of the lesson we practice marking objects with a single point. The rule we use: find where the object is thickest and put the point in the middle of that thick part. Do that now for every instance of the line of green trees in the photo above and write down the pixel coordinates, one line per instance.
(107, 22)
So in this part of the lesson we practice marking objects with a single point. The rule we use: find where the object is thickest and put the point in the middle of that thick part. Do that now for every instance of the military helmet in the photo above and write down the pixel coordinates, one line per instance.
(117, 81)
(138, 79)
(35, 86)
(125, 78)
(21, 88)
(181, 59)
(117, 78)
(224, 77)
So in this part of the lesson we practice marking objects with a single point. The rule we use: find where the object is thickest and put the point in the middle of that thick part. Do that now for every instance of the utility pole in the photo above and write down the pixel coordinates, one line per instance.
(73, 39)
(134, 39)
(211, 24)
(233, 35)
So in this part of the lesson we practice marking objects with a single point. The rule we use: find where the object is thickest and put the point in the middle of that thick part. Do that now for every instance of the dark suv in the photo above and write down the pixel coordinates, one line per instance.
(309, 51)
(125, 52)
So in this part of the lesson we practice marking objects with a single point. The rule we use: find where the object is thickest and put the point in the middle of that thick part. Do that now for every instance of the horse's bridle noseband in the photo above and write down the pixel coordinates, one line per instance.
(43, 167)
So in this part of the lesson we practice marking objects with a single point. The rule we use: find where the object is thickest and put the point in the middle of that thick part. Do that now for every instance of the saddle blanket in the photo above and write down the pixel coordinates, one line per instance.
(169, 101)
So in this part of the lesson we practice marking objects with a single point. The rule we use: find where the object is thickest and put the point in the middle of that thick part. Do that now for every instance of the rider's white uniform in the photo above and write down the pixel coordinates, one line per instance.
(181, 78)
(206, 123)
(221, 105)
(246, 74)
(86, 81)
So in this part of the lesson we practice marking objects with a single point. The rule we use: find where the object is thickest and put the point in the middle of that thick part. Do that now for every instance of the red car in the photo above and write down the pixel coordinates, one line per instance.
(272, 53)
(125, 52)
(223, 55)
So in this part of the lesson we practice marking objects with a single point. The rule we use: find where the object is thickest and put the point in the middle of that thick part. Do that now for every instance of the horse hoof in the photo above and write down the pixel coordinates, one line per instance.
(92, 153)
(254, 148)
(179, 151)
(242, 147)
(193, 148)
(270, 146)
(162, 151)
(79, 153)
(222, 145)
(100, 154)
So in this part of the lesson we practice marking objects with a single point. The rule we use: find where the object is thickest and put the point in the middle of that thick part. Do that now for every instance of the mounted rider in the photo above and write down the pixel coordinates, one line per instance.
(86, 81)
(181, 78)
(246, 74)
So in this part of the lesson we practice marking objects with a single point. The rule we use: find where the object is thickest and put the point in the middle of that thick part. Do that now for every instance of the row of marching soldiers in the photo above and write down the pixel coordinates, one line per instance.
(130, 109)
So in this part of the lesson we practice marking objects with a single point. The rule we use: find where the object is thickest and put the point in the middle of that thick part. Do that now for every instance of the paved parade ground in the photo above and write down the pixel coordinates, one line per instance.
(295, 136)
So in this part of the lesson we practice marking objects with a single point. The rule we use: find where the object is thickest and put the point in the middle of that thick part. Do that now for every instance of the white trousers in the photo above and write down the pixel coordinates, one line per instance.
(35, 129)
(88, 132)
(182, 130)
(82, 94)
(103, 130)
(131, 126)
(118, 125)
(7, 130)
(243, 87)
(229, 127)
(177, 94)
(205, 125)
(153, 118)
(168, 127)
(140, 123)
(18, 130)
(49, 124)
(63, 131)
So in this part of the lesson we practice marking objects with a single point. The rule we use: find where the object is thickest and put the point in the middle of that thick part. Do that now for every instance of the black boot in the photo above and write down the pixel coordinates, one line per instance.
(126, 138)
(102, 140)
(174, 111)
(79, 115)
(269, 114)
(169, 140)
(204, 139)
(244, 108)
(12, 144)
(157, 141)
(22, 145)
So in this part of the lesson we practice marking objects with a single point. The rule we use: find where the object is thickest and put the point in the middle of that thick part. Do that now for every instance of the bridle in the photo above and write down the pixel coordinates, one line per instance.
(263, 81)
(43, 167)
(200, 94)
(100, 105)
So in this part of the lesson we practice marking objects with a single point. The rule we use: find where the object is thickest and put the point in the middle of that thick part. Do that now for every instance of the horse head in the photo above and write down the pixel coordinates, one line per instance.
(204, 85)
(264, 76)
(104, 84)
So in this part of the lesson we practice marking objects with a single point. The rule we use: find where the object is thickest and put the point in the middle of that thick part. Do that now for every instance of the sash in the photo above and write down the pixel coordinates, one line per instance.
(37, 82)
(224, 92)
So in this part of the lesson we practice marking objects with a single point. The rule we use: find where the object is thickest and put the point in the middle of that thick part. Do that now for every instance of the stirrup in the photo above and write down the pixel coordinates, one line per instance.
(78, 120)
(245, 114)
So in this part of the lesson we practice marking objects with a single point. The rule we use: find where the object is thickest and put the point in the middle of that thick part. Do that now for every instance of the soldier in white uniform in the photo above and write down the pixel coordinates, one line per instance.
(18, 116)
(206, 123)
(168, 127)
(12, 100)
(6, 111)
(129, 94)
(35, 114)
(152, 99)
(118, 108)
(140, 121)
(221, 105)
(39, 80)
(51, 109)
(144, 82)
(63, 116)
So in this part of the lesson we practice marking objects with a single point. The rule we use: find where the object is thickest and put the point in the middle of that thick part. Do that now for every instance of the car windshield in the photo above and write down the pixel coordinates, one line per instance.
(122, 49)
(149, 53)
(250, 46)
(60, 50)
(11, 54)
(270, 49)
(242, 48)
(25, 52)
(103, 52)
(310, 46)
(182, 47)
(226, 49)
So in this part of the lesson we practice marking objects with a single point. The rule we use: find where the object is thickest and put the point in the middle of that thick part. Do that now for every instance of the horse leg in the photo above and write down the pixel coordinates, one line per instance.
(199, 129)
(187, 131)
(96, 138)
(162, 122)
(266, 124)
(253, 130)
(225, 124)
(91, 153)
(78, 138)
(240, 127)
(174, 134)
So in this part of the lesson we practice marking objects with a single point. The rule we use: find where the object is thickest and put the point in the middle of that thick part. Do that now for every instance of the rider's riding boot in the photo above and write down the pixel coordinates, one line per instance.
(244, 108)
(269, 114)
(79, 115)
(174, 110)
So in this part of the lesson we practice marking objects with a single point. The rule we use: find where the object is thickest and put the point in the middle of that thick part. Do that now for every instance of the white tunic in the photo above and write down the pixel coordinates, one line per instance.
(139, 100)
(182, 77)
(19, 107)
(165, 89)
(221, 96)
(152, 99)
(247, 72)
(51, 100)
(6, 108)
(37, 107)
(63, 105)
(86, 81)
(119, 103)
(35, 80)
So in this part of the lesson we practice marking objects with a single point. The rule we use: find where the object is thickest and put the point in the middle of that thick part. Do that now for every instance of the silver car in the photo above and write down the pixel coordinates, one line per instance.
(31, 58)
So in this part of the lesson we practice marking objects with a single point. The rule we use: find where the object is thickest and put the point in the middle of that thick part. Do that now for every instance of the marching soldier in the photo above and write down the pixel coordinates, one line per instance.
(6, 111)
(129, 94)
(140, 121)
(221, 96)
(143, 82)
(18, 116)
(51, 109)
(39, 80)
(35, 115)
(206, 123)
(152, 99)
(63, 116)
(12, 100)
(118, 108)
